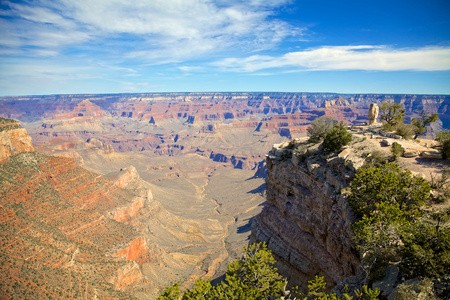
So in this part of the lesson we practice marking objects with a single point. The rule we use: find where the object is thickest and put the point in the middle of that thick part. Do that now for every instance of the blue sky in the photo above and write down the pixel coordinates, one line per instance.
(114, 46)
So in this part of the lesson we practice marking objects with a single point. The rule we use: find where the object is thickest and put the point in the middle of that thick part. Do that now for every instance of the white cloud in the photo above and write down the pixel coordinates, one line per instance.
(155, 30)
(190, 68)
(363, 57)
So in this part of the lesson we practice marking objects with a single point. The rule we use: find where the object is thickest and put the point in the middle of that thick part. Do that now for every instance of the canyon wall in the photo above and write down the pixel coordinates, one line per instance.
(306, 221)
(182, 123)
(69, 233)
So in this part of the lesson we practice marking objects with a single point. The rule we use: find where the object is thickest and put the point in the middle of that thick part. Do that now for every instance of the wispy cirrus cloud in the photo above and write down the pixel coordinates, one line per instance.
(156, 30)
(362, 57)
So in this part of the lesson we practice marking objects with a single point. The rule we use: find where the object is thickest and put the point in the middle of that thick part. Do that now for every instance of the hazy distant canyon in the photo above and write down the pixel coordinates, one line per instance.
(183, 174)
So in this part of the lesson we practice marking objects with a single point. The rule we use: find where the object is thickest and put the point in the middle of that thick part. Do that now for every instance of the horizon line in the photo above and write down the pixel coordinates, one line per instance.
(219, 92)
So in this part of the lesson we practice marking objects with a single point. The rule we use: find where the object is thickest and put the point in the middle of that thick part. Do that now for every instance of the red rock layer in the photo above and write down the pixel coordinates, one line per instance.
(134, 250)
(56, 232)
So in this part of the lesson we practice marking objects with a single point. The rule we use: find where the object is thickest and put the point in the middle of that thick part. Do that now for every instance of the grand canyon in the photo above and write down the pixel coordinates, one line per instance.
(116, 196)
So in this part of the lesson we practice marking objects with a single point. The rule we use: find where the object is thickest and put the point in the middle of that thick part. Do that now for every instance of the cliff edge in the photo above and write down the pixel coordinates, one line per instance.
(306, 221)
(13, 139)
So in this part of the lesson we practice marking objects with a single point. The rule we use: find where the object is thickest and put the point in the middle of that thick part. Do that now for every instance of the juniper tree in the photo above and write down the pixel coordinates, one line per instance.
(420, 124)
(319, 128)
(391, 114)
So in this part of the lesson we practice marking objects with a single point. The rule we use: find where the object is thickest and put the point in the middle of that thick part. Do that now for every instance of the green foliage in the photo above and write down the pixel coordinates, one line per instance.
(391, 114)
(393, 228)
(397, 150)
(420, 124)
(251, 277)
(426, 250)
(254, 277)
(172, 292)
(422, 289)
(5, 120)
(367, 294)
(8, 124)
(441, 187)
(201, 289)
(446, 149)
(444, 138)
(388, 183)
(319, 128)
(375, 159)
(337, 138)
(316, 290)
(406, 131)
(317, 286)
(377, 238)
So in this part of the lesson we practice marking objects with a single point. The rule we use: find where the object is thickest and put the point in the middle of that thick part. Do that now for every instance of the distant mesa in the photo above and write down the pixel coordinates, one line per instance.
(339, 101)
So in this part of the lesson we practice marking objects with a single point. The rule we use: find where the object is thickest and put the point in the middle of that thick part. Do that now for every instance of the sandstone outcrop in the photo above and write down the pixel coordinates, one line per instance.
(134, 250)
(126, 213)
(13, 139)
(126, 176)
(373, 113)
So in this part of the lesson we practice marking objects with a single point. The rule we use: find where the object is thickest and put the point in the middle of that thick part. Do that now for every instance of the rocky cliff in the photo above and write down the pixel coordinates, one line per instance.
(306, 220)
(13, 139)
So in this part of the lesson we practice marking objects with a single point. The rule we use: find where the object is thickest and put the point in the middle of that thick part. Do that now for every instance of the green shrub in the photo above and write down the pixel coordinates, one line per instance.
(254, 277)
(446, 149)
(426, 250)
(172, 292)
(397, 150)
(337, 138)
(441, 186)
(406, 131)
(422, 289)
(377, 239)
(319, 128)
(443, 138)
(388, 183)
(392, 227)
(375, 159)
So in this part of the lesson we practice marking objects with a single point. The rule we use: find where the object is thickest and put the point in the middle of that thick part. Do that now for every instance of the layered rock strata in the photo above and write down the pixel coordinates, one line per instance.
(306, 222)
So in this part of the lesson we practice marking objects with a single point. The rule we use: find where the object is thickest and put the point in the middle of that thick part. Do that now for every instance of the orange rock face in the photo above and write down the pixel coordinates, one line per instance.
(127, 276)
(14, 141)
(136, 248)
(124, 214)
(126, 176)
